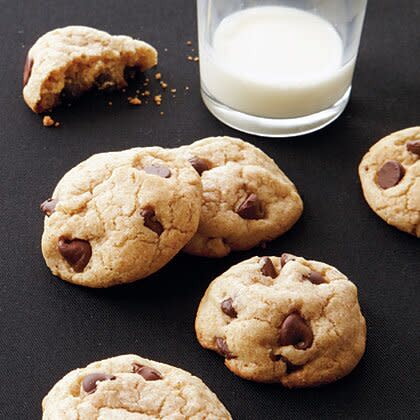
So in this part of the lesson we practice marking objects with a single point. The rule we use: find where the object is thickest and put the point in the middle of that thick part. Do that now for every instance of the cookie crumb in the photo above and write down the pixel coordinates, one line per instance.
(187, 88)
(56, 124)
(134, 101)
(173, 90)
(196, 59)
(146, 93)
(47, 121)
(162, 113)
(158, 99)
(189, 42)
(109, 103)
(158, 76)
(190, 58)
(163, 85)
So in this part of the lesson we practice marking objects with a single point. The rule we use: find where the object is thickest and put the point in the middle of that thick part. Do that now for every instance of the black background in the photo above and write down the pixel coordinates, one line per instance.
(49, 327)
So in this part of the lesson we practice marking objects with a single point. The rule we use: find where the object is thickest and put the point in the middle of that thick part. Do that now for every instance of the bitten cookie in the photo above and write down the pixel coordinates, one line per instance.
(285, 320)
(131, 388)
(247, 199)
(74, 59)
(118, 217)
(390, 177)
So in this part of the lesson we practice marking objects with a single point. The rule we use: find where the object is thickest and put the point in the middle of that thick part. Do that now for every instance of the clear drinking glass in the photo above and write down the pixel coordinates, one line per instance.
(278, 68)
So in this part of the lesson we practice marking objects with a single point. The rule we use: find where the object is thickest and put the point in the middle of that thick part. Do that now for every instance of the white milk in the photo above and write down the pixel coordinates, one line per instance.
(276, 62)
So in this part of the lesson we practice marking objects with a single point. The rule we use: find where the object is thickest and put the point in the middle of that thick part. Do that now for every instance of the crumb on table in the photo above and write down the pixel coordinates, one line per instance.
(158, 99)
(47, 121)
(134, 101)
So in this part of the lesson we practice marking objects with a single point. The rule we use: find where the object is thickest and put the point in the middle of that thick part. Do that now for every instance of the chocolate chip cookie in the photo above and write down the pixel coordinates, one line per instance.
(131, 388)
(285, 320)
(69, 61)
(247, 199)
(118, 217)
(390, 177)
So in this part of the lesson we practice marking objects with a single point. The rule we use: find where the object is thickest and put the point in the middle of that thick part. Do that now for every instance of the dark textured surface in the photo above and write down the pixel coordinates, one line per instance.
(49, 327)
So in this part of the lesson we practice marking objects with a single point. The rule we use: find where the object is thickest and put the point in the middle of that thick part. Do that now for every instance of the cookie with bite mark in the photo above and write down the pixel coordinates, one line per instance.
(72, 60)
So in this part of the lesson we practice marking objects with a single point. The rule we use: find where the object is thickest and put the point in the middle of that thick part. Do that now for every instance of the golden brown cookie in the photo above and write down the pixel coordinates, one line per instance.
(131, 388)
(74, 59)
(247, 199)
(285, 320)
(390, 177)
(120, 216)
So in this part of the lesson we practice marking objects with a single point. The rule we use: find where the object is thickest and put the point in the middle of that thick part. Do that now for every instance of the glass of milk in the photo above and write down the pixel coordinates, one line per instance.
(278, 68)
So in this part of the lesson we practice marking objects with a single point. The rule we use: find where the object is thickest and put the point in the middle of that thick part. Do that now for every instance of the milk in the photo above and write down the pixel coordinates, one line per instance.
(276, 62)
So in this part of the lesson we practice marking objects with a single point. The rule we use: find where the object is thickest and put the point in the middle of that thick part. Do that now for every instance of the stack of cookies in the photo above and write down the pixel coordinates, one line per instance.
(118, 217)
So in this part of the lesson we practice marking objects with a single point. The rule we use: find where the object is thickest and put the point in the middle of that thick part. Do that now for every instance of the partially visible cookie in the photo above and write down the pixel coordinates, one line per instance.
(285, 320)
(118, 217)
(390, 177)
(74, 59)
(247, 199)
(131, 388)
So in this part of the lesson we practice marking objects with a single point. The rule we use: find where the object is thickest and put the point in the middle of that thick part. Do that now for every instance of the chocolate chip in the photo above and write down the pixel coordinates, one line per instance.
(76, 252)
(295, 331)
(251, 208)
(414, 147)
(285, 258)
(89, 383)
(148, 373)
(223, 348)
(27, 70)
(48, 206)
(228, 309)
(390, 174)
(268, 268)
(150, 220)
(159, 170)
(200, 165)
(316, 278)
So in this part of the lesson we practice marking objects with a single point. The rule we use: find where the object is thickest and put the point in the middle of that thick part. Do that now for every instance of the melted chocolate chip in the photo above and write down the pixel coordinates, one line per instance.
(223, 348)
(390, 174)
(414, 147)
(89, 383)
(148, 373)
(268, 268)
(48, 206)
(251, 208)
(159, 170)
(27, 70)
(76, 252)
(285, 258)
(199, 164)
(228, 309)
(316, 278)
(295, 331)
(150, 220)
